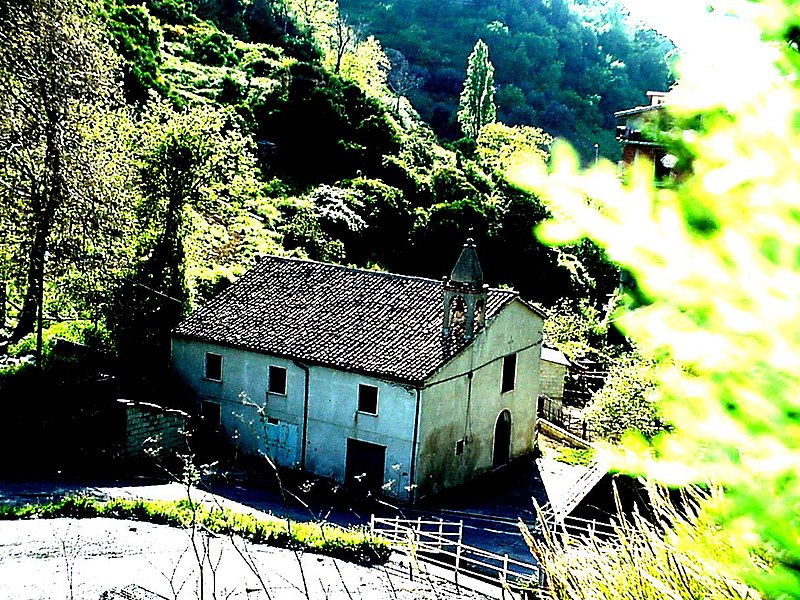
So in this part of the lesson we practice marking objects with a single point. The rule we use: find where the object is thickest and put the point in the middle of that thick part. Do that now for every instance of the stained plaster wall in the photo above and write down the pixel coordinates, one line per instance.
(334, 417)
(332, 410)
(455, 406)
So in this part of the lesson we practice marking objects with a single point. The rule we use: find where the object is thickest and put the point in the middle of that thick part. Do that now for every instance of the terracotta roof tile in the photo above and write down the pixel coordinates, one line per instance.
(365, 321)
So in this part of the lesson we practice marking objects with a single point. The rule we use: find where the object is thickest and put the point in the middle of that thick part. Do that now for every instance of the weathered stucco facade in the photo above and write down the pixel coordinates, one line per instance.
(261, 422)
(403, 398)
(463, 401)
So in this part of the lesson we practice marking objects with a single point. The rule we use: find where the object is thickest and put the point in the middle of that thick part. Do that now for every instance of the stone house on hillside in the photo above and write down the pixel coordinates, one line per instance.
(632, 132)
(403, 383)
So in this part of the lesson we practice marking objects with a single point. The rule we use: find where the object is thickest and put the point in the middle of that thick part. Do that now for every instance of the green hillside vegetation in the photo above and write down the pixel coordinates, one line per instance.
(562, 65)
(150, 152)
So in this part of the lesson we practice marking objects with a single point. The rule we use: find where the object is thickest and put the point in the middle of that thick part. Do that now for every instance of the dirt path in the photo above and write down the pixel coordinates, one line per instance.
(68, 558)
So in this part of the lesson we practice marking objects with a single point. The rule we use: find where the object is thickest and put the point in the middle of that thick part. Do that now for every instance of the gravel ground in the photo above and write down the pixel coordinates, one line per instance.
(80, 559)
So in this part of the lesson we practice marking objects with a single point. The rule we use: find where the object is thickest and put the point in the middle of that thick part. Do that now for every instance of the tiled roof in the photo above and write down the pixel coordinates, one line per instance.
(357, 320)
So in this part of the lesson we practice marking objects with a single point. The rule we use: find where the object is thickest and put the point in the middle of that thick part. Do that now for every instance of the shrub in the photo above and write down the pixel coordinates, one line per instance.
(138, 39)
(83, 332)
(173, 11)
(302, 230)
(627, 403)
(210, 46)
(451, 185)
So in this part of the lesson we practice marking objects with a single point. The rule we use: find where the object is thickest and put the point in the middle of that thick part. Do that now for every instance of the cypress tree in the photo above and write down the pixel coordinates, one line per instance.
(477, 106)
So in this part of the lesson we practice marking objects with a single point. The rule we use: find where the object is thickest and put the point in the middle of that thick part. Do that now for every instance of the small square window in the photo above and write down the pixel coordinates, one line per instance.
(509, 373)
(459, 449)
(213, 366)
(277, 380)
(368, 399)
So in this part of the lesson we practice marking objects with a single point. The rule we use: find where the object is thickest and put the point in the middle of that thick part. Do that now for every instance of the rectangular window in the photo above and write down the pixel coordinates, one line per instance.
(277, 380)
(459, 449)
(213, 366)
(368, 399)
(509, 373)
(273, 421)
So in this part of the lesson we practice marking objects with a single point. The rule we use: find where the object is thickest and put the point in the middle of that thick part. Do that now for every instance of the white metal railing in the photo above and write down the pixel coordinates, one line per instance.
(586, 482)
(440, 543)
(435, 533)
(577, 527)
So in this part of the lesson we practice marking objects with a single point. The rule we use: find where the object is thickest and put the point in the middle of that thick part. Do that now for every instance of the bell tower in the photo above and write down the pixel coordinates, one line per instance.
(465, 296)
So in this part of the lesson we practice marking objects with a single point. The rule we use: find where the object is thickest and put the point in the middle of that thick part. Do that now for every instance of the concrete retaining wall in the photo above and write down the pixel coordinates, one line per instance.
(562, 435)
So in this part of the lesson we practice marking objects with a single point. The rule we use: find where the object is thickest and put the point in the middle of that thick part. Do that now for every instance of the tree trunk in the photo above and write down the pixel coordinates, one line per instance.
(26, 322)
(44, 202)
(3, 301)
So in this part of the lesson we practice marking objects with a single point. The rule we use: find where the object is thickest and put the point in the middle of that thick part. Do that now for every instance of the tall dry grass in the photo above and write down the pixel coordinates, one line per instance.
(678, 552)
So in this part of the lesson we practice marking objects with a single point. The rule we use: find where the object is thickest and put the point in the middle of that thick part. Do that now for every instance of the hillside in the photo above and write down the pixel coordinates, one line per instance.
(356, 174)
(213, 132)
(562, 65)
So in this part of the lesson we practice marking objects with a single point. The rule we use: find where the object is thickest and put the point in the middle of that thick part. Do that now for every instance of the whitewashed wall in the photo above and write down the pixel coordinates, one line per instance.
(245, 404)
(246, 409)
(333, 417)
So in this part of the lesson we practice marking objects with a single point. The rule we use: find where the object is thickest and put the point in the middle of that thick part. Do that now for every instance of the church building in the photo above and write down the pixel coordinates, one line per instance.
(403, 385)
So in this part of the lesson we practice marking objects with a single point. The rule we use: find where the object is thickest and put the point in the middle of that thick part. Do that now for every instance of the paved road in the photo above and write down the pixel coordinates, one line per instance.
(489, 507)
(68, 558)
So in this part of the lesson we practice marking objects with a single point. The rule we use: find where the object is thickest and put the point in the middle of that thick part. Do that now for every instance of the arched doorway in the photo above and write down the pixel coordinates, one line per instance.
(502, 439)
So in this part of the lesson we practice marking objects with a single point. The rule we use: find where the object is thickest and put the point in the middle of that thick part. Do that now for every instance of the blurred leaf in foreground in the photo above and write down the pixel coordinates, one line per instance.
(716, 259)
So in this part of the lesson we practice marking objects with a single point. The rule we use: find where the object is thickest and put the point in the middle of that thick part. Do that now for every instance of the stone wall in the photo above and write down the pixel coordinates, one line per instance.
(152, 428)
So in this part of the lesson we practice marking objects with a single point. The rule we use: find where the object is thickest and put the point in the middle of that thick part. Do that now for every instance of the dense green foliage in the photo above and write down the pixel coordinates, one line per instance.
(352, 132)
(138, 39)
(190, 167)
(627, 402)
(81, 332)
(424, 199)
(578, 329)
(59, 159)
(561, 65)
(354, 545)
(223, 130)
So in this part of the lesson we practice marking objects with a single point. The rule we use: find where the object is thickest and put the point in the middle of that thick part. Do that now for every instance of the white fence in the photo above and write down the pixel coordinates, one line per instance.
(440, 543)
(573, 526)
